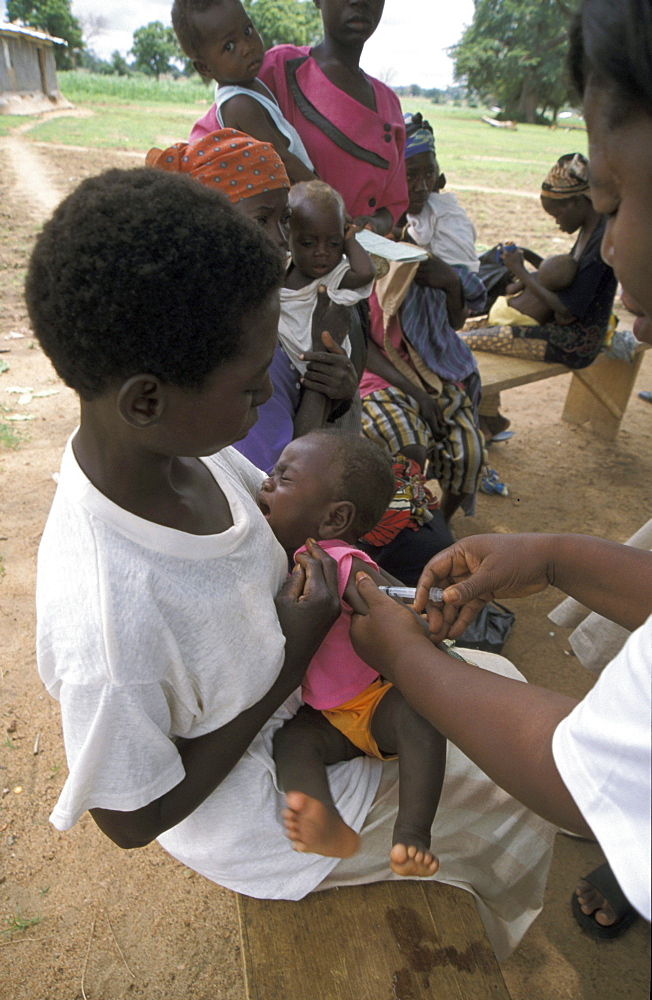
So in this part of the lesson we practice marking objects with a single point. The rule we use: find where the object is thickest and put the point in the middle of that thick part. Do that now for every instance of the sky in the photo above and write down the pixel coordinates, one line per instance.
(408, 46)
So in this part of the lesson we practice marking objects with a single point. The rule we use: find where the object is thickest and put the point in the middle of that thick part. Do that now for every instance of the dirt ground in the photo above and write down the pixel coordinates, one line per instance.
(80, 918)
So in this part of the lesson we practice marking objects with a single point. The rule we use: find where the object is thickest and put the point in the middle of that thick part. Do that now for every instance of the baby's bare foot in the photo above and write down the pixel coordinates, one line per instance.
(594, 903)
(315, 829)
(412, 861)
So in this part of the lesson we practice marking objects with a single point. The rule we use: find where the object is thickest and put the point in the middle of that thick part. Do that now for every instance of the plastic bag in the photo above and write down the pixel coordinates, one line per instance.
(489, 629)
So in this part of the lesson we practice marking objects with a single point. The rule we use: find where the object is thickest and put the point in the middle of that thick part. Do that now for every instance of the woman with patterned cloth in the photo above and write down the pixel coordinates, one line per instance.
(581, 311)
(421, 389)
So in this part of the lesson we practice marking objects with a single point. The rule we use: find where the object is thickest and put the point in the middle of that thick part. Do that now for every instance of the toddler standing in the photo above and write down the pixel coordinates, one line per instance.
(333, 487)
(222, 41)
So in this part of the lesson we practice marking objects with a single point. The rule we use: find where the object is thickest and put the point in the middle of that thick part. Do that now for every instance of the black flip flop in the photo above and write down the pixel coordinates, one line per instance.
(604, 881)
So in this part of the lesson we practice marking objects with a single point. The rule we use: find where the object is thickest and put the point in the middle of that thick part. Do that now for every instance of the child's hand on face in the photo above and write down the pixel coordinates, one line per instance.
(350, 230)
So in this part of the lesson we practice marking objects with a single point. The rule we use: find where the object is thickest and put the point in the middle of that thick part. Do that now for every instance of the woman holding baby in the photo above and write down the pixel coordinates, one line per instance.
(570, 307)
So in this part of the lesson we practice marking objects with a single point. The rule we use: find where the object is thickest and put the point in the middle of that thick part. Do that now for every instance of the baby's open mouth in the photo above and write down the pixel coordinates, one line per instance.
(263, 506)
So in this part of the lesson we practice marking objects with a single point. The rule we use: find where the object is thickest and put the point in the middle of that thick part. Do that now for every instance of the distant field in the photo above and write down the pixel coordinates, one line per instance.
(137, 113)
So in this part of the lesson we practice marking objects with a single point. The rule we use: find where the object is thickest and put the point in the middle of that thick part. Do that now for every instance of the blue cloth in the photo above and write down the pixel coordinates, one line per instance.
(424, 320)
(275, 427)
(419, 139)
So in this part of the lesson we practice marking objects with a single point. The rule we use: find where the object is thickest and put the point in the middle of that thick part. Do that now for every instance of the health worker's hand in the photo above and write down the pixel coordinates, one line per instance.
(387, 632)
(479, 569)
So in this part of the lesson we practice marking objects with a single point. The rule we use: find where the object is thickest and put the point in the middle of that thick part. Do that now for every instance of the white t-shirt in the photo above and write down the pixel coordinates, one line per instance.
(146, 633)
(298, 305)
(443, 228)
(602, 752)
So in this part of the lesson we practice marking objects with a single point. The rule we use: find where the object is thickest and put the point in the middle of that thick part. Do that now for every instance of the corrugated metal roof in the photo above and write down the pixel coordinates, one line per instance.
(17, 29)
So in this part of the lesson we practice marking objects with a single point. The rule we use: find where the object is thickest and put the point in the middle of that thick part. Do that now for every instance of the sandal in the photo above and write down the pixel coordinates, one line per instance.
(604, 881)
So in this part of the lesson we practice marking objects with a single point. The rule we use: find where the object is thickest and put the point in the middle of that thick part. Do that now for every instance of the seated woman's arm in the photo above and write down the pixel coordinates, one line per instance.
(514, 262)
(307, 606)
(434, 273)
(380, 365)
(331, 377)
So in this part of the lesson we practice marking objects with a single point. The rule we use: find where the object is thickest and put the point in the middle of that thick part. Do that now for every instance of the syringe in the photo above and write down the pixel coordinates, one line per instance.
(435, 593)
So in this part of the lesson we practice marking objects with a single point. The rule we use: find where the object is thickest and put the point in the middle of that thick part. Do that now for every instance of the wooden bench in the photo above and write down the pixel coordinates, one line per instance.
(387, 941)
(598, 394)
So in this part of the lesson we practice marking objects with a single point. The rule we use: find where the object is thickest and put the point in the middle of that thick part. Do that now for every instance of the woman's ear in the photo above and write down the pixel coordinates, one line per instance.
(141, 401)
(338, 519)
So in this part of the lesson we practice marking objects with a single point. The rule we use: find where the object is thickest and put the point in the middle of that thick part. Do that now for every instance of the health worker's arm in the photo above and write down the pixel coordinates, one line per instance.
(503, 725)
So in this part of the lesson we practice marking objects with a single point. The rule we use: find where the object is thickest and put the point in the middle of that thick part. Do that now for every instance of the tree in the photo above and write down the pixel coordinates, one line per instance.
(514, 54)
(292, 22)
(55, 17)
(154, 47)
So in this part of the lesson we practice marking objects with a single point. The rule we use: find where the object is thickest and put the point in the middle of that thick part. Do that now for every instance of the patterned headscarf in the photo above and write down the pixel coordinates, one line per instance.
(568, 178)
(238, 165)
(419, 135)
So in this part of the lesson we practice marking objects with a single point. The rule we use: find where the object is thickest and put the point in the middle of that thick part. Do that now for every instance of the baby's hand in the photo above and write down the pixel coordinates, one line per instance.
(350, 229)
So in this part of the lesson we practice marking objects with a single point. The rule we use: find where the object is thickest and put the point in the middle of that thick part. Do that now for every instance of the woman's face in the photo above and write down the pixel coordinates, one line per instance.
(621, 189)
(350, 22)
(568, 213)
(422, 172)
(270, 210)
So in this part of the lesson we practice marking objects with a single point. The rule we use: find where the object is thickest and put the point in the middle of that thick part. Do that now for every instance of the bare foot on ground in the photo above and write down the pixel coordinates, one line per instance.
(412, 861)
(315, 829)
(593, 903)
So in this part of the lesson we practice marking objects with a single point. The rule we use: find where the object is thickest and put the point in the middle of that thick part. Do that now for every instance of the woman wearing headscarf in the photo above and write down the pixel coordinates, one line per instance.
(581, 310)
(252, 176)
(421, 387)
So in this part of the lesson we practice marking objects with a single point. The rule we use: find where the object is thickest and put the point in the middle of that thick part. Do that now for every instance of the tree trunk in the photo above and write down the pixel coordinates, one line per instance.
(527, 102)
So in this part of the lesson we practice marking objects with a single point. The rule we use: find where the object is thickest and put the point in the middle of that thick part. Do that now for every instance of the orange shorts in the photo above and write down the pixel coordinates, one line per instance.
(353, 718)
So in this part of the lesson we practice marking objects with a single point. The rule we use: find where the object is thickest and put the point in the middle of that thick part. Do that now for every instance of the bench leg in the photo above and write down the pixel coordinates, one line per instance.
(600, 394)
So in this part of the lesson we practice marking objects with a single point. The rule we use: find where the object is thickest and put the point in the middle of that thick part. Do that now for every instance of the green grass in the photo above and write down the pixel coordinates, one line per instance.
(137, 112)
(10, 436)
(87, 88)
(111, 126)
(18, 923)
(470, 152)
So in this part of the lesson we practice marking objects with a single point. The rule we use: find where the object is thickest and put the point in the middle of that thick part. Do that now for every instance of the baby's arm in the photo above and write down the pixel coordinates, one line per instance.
(382, 579)
(362, 269)
(248, 115)
(513, 260)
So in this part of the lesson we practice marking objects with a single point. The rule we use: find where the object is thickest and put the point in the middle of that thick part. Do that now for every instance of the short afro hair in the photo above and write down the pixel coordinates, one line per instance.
(362, 474)
(316, 193)
(143, 271)
(189, 36)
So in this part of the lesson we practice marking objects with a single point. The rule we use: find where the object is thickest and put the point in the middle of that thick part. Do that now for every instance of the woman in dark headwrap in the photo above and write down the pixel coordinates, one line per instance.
(582, 310)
